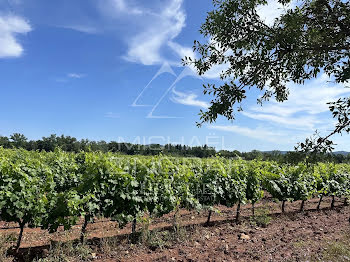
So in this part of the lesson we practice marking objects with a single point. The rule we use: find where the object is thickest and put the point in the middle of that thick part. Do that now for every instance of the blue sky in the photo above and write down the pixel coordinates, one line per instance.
(111, 70)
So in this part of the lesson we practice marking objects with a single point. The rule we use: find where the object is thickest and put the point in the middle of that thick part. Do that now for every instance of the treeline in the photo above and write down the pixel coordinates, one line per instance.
(72, 144)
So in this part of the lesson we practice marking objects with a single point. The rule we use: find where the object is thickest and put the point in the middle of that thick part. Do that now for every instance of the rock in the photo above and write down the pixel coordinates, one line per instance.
(93, 255)
(226, 249)
(244, 237)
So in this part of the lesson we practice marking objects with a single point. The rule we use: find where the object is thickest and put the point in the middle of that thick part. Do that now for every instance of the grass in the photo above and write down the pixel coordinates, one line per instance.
(67, 252)
(332, 251)
(262, 217)
(336, 251)
(155, 239)
(6, 241)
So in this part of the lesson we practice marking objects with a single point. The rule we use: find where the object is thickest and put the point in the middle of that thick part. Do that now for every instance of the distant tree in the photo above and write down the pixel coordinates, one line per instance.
(5, 142)
(18, 140)
(311, 38)
(255, 154)
(294, 157)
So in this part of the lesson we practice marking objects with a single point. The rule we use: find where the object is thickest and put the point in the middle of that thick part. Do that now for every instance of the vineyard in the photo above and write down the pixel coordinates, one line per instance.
(54, 189)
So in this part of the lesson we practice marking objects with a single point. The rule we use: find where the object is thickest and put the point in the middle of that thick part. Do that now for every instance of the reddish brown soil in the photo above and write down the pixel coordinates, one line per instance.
(294, 236)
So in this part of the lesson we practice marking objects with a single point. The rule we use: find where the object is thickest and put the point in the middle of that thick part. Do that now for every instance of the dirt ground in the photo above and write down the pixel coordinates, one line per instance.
(271, 236)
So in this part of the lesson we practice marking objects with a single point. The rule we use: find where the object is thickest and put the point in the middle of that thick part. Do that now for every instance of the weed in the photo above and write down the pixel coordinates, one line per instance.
(67, 252)
(262, 217)
(6, 241)
(110, 245)
(337, 251)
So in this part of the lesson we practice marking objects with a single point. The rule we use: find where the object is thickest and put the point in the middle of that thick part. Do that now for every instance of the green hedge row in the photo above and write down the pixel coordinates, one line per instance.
(58, 188)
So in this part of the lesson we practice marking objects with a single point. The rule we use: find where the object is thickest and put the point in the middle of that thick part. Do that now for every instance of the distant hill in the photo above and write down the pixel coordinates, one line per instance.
(344, 153)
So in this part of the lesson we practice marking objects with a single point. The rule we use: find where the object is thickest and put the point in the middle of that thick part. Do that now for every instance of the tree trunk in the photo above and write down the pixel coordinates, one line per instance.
(319, 202)
(333, 202)
(302, 206)
(133, 228)
(209, 215)
(19, 240)
(238, 213)
(83, 229)
(283, 206)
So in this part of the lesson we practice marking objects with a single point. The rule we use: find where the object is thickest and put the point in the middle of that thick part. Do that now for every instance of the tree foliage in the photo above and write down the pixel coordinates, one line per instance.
(309, 38)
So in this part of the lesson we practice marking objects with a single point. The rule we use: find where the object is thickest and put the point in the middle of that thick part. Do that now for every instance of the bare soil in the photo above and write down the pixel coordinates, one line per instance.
(293, 236)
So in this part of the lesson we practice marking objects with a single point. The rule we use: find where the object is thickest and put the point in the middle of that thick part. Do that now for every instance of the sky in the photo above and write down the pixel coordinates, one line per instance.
(111, 70)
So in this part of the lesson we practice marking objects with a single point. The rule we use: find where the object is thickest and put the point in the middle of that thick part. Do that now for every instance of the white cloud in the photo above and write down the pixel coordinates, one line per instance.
(268, 13)
(276, 136)
(295, 119)
(158, 30)
(305, 110)
(75, 75)
(310, 98)
(10, 26)
(182, 51)
(189, 99)
(303, 122)
(146, 46)
(115, 7)
(14, 2)
(256, 133)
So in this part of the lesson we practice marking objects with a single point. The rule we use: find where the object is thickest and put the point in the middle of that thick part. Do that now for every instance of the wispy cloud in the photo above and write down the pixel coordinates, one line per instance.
(256, 133)
(75, 75)
(295, 119)
(305, 106)
(276, 136)
(112, 115)
(301, 122)
(70, 77)
(10, 26)
(82, 28)
(188, 99)
(146, 46)
(305, 111)
(183, 51)
(122, 6)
